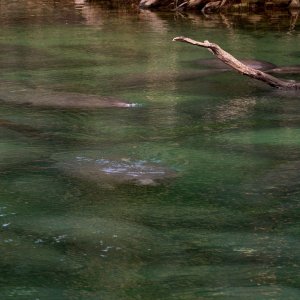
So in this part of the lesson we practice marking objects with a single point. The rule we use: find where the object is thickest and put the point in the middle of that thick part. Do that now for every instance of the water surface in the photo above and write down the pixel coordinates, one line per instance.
(225, 227)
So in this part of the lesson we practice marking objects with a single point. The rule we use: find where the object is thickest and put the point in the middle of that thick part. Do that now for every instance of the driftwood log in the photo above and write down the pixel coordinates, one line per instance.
(231, 61)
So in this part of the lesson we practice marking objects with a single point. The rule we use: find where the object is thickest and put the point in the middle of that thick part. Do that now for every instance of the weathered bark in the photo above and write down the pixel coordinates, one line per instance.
(211, 6)
(231, 61)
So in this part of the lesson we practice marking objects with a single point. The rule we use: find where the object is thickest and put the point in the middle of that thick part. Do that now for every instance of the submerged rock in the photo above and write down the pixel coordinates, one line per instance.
(17, 94)
(122, 171)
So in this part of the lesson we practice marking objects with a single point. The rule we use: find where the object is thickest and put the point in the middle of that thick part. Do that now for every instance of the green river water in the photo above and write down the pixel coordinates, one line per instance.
(225, 227)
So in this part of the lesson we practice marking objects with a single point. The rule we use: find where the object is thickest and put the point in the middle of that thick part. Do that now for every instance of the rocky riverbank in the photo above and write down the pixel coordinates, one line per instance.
(205, 6)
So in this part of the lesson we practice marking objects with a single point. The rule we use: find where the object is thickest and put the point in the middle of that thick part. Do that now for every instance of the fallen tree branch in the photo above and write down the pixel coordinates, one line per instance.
(231, 61)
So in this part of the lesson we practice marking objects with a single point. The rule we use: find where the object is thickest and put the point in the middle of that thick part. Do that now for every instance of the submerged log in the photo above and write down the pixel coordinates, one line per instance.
(231, 61)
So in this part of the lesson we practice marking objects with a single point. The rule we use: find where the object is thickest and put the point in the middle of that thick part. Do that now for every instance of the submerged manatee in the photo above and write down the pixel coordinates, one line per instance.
(24, 129)
(153, 78)
(214, 63)
(295, 69)
(122, 171)
(18, 94)
(82, 230)
(283, 178)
